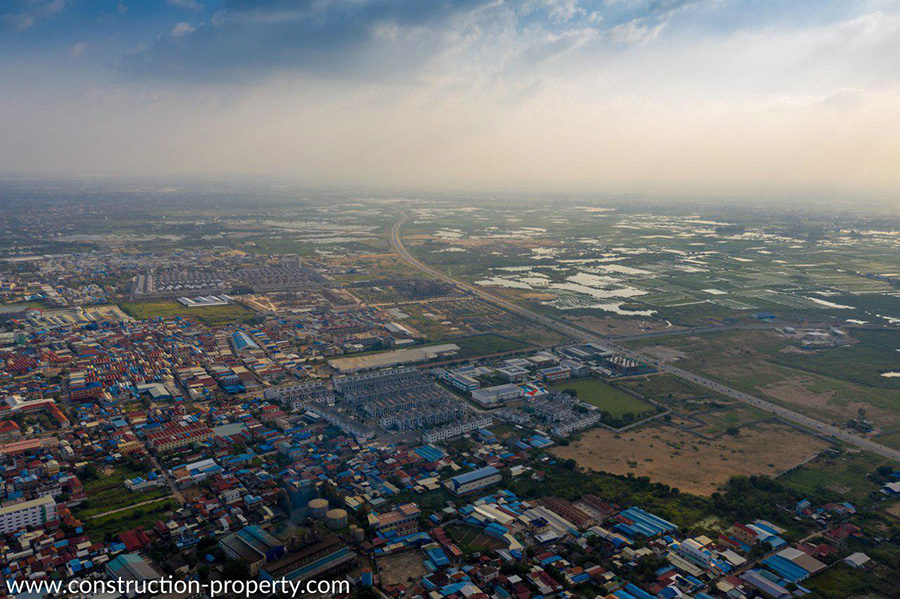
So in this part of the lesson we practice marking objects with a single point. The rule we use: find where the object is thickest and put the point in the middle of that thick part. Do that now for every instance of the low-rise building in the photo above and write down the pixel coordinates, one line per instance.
(474, 480)
(492, 396)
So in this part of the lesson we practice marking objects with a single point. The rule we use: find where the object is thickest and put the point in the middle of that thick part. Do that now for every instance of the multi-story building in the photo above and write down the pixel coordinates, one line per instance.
(299, 395)
(555, 373)
(18, 516)
(401, 521)
(456, 429)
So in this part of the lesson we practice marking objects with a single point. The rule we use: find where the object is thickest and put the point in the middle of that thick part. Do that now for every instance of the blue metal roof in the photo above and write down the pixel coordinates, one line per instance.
(474, 475)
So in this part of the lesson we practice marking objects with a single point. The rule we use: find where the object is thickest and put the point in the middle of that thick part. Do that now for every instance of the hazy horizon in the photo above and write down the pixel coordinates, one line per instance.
(658, 98)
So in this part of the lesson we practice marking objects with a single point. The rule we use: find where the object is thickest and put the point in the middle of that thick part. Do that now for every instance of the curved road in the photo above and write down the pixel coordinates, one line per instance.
(576, 333)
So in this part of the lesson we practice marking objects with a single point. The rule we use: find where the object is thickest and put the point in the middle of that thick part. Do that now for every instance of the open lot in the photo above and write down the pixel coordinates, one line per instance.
(211, 315)
(845, 475)
(863, 362)
(400, 568)
(679, 459)
(717, 421)
(471, 539)
(764, 363)
(488, 344)
(676, 393)
(107, 493)
(142, 516)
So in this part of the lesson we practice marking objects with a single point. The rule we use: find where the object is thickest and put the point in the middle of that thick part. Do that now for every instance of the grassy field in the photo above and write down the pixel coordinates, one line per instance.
(211, 315)
(606, 397)
(861, 363)
(843, 476)
(143, 516)
(107, 492)
(841, 581)
(665, 386)
(890, 439)
(504, 430)
(483, 345)
(735, 416)
(762, 363)
(471, 539)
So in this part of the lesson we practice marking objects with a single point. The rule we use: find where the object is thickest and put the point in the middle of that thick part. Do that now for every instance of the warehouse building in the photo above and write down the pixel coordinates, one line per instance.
(492, 396)
(474, 480)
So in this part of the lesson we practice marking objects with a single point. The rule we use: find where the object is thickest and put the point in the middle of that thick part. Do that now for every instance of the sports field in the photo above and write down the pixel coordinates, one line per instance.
(605, 396)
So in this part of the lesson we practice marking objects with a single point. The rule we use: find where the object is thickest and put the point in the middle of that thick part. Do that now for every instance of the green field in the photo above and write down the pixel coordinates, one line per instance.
(142, 516)
(861, 363)
(107, 492)
(484, 345)
(679, 394)
(844, 476)
(890, 439)
(471, 539)
(211, 315)
(830, 384)
(723, 420)
(841, 581)
(609, 399)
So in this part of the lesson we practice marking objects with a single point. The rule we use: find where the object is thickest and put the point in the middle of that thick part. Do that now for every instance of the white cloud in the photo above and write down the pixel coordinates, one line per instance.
(181, 29)
(27, 14)
(186, 4)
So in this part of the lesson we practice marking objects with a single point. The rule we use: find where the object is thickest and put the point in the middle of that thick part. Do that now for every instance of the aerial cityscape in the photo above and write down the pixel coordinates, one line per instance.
(451, 299)
(434, 396)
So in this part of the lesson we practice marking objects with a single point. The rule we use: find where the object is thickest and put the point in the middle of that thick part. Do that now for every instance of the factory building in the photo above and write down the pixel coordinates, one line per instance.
(492, 396)
(474, 480)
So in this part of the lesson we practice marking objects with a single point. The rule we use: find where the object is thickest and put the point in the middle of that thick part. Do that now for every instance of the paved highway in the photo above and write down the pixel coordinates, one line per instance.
(576, 333)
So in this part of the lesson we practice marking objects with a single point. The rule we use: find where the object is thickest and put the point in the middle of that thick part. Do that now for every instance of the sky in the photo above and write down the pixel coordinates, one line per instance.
(776, 98)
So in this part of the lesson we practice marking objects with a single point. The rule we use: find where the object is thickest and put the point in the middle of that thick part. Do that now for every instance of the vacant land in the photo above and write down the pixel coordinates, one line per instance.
(142, 516)
(401, 568)
(485, 345)
(843, 581)
(621, 326)
(472, 539)
(890, 439)
(764, 363)
(863, 362)
(694, 465)
(211, 315)
(845, 475)
(676, 393)
(609, 399)
(720, 420)
(107, 492)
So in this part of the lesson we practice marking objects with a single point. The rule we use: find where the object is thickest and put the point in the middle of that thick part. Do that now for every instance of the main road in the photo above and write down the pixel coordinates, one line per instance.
(577, 333)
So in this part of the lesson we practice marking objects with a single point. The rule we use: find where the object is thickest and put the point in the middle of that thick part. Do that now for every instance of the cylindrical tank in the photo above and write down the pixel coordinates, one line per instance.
(357, 534)
(336, 519)
(318, 508)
